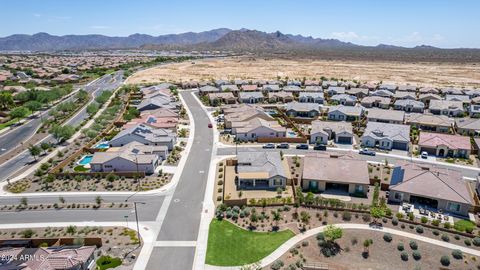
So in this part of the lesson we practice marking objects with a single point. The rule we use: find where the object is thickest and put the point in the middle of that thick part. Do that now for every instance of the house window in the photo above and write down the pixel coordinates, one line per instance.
(453, 207)
(277, 182)
(108, 166)
(358, 188)
(398, 196)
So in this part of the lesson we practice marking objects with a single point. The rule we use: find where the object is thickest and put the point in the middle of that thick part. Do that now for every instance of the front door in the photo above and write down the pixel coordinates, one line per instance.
(313, 186)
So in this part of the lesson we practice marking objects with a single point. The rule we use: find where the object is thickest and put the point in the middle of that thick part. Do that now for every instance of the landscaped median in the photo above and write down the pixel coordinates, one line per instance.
(229, 245)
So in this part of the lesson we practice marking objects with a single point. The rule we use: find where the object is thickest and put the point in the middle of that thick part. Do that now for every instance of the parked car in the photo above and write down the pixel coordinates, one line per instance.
(302, 146)
(210, 125)
(424, 155)
(268, 146)
(320, 147)
(283, 145)
(367, 152)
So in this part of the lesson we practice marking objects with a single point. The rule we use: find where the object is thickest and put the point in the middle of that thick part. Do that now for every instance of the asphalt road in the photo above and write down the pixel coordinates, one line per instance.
(182, 220)
(146, 212)
(467, 172)
(22, 133)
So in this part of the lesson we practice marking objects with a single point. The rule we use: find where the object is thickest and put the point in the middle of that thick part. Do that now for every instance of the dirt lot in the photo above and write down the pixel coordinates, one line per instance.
(382, 255)
(431, 74)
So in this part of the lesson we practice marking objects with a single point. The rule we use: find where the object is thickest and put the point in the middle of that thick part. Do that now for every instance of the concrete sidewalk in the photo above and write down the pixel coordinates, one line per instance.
(300, 237)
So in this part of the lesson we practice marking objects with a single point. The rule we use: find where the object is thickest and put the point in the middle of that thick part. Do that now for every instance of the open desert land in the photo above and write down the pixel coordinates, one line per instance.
(440, 74)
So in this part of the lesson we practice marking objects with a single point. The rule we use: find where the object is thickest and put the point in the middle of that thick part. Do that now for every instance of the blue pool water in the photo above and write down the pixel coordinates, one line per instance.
(291, 134)
(85, 160)
(103, 145)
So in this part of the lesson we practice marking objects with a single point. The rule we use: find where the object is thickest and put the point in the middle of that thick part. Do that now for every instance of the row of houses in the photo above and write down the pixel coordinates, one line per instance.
(323, 172)
(143, 142)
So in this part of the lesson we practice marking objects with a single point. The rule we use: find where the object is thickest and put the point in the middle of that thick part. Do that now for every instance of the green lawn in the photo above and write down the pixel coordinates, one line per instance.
(8, 123)
(229, 245)
(463, 224)
(80, 168)
(107, 262)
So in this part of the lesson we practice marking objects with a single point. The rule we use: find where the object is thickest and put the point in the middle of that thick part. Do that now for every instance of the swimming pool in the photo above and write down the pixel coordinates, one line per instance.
(291, 134)
(85, 160)
(102, 145)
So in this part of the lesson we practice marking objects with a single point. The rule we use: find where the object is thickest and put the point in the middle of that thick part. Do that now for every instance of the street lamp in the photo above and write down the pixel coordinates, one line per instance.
(136, 220)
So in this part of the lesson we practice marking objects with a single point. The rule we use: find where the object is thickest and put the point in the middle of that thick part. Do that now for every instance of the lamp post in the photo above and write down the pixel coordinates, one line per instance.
(137, 175)
(136, 220)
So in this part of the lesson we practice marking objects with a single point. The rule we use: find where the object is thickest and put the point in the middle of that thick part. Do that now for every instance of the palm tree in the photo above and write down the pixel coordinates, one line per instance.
(276, 217)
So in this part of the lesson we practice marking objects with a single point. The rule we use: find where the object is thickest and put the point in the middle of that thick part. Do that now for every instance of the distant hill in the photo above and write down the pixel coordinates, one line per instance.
(47, 42)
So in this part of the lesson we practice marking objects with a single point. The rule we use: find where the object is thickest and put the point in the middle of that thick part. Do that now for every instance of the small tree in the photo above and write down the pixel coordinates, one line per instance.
(332, 233)
(61, 199)
(276, 217)
(24, 201)
(34, 151)
(377, 213)
(366, 247)
(71, 229)
(98, 200)
(19, 113)
(45, 146)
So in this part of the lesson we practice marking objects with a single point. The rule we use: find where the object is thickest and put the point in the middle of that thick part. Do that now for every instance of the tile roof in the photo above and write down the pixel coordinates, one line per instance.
(428, 139)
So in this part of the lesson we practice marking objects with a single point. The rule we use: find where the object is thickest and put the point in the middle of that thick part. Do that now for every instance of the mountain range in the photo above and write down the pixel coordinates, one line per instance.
(243, 40)
(222, 38)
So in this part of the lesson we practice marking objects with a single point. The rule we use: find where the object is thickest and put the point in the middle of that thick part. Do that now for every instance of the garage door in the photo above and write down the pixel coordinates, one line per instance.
(400, 145)
(345, 140)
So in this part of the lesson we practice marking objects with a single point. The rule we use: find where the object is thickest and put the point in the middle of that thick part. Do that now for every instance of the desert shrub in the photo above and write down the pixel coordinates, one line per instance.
(387, 237)
(435, 222)
(419, 229)
(476, 241)
(424, 220)
(28, 233)
(457, 254)
(346, 216)
(467, 242)
(445, 260)
(416, 255)
(435, 232)
(456, 236)
(445, 238)
(394, 221)
(404, 256)
(400, 247)
(277, 265)
(413, 245)
(366, 217)
(447, 225)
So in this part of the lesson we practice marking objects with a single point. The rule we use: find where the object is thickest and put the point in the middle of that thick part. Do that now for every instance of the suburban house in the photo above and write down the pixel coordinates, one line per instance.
(153, 121)
(257, 128)
(409, 105)
(445, 107)
(344, 99)
(271, 88)
(261, 170)
(407, 88)
(474, 110)
(292, 88)
(390, 87)
(385, 116)
(472, 93)
(326, 84)
(302, 110)
(243, 113)
(146, 135)
(221, 98)
(250, 97)
(157, 103)
(358, 92)
(281, 96)
(382, 93)
(427, 98)
(313, 88)
(207, 89)
(322, 132)
(429, 90)
(311, 83)
(51, 258)
(160, 113)
(375, 101)
(445, 145)
(463, 98)
(468, 126)
(386, 136)
(345, 113)
(229, 88)
(451, 91)
(324, 173)
(333, 90)
(404, 95)
(221, 82)
(250, 87)
(429, 122)
(311, 97)
(413, 183)
(132, 157)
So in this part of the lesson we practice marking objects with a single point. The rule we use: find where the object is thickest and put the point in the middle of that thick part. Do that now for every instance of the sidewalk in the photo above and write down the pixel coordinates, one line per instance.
(300, 237)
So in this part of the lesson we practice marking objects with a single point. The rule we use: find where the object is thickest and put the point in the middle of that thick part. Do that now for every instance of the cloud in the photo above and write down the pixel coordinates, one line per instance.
(100, 27)
(355, 37)
(37, 15)
(417, 38)
(345, 35)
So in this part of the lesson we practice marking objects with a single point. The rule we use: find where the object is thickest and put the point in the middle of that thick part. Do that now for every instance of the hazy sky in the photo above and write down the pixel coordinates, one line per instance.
(443, 23)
